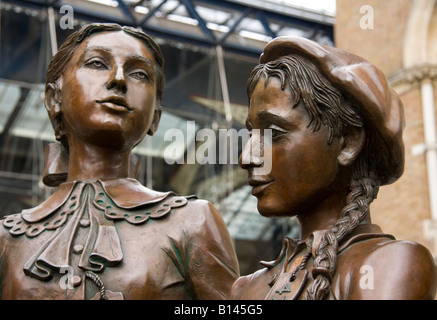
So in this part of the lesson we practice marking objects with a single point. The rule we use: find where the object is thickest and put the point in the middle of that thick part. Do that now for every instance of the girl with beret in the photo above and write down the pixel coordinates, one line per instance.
(336, 129)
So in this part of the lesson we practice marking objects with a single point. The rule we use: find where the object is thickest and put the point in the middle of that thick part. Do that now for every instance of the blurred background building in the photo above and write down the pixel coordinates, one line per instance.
(210, 47)
(400, 37)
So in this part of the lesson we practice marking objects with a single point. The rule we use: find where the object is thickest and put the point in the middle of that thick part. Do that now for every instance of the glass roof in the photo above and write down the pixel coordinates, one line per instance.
(239, 210)
(224, 21)
(9, 95)
(242, 218)
(33, 121)
(327, 7)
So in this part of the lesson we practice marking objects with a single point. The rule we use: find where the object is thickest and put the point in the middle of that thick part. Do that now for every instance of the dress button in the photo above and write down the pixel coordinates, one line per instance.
(76, 280)
(84, 223)
(78, 248)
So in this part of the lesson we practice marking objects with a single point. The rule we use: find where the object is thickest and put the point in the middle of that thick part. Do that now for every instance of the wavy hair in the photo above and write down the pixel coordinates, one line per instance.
(60, 60)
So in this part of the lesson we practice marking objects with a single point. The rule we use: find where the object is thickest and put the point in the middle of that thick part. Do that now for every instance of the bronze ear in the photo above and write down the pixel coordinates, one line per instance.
(352, 143)
(155, 121)
(52, 103)
(52, 99)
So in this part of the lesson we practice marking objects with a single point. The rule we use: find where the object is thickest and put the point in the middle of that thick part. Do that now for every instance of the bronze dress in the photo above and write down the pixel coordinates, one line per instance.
(116, 239)
(371, 265)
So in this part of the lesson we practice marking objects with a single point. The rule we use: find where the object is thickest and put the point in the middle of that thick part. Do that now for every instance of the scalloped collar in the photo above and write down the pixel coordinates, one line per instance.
(100, 203)
(127, 193)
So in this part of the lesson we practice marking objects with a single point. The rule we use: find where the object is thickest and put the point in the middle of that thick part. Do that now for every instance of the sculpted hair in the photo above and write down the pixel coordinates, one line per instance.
(60, 60)
(63, 56)
(327, 106)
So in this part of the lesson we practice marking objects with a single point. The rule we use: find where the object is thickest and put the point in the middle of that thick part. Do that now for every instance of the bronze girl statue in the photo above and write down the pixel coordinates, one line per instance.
(102, 235)
(336, 138)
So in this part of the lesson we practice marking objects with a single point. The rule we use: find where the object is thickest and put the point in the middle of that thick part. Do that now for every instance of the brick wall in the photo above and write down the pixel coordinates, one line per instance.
(401, 208)
(381, 45)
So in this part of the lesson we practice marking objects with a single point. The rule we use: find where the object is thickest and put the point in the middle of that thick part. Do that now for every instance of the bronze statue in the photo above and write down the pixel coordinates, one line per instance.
(102, 235)
(336, 138)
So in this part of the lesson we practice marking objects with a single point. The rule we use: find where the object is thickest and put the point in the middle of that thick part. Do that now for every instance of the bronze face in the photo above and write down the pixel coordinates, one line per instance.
(304, 166)
(109, 90)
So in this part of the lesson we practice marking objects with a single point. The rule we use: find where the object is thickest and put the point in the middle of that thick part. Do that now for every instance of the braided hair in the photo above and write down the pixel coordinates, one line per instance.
(326, 105)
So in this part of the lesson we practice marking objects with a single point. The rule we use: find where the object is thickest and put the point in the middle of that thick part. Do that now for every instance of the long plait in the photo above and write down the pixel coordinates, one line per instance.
(363, 191)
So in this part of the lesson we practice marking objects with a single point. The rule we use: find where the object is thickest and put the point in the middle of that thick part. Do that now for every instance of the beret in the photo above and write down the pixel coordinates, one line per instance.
(366, 87)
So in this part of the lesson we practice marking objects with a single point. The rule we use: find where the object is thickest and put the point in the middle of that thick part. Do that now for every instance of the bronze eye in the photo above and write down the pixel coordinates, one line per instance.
(96, 64)
(139, 74)
(276, 133)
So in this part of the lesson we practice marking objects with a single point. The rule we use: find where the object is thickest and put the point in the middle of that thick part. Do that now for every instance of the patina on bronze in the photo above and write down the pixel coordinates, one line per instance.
(337, 137)
(102, 235)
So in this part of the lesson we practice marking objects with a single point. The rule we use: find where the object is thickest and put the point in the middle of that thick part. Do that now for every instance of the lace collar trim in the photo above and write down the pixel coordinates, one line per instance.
(96, 206)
